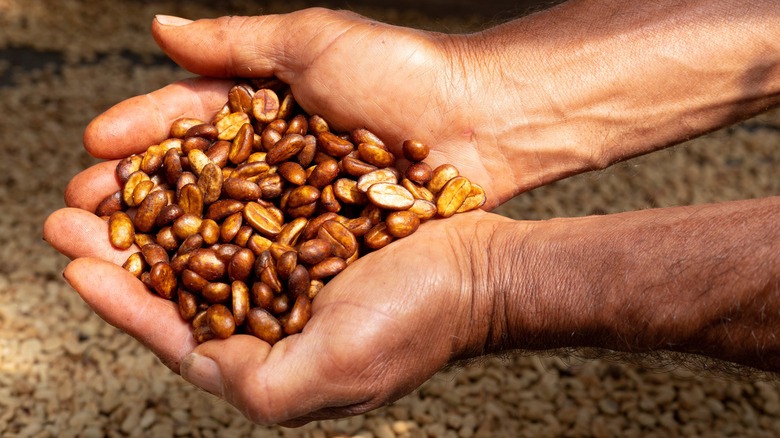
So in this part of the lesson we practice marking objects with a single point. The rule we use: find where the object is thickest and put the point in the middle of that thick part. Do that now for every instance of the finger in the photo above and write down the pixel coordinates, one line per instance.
(92, 185)
(124, 302)
(78, 233)
(260, 46)
(139, 122)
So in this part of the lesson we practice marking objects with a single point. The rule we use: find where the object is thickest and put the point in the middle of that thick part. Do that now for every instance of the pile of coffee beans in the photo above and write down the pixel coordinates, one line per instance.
(242, 219)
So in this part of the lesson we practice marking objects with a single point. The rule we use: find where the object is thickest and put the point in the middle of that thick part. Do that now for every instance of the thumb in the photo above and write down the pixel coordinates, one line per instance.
(259, 46)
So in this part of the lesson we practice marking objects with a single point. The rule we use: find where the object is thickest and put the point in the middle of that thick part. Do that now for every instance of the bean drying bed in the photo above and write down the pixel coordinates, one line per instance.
(64, 372)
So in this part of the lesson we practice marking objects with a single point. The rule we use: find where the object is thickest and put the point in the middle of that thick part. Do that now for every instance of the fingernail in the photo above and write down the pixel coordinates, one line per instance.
(170, 20)
(203, 372)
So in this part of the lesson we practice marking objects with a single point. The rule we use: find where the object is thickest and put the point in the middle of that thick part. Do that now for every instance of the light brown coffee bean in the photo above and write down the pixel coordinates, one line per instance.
(127, 166)
(265, 105)
(302, 195)
(216, 292)
(423, 209)
(269, 276)
(121, 231)
(152, 159)
(192, 143)
(262, 219)
(286, 264)
(240, 301)
(359, 226)
(205, 263)
(390, 196)
(269, 138)
(328, 201)
(355, 167)
(230, 227)
(261, 295)
(440, 176)
(148, 211)
(240, 99)
(109, 205)
(299, 315)
(291, 231)
(190, 244)
(241, 147)
(324, 173)
(191, 200)
(240, 266)
(257, 243)
(193, 281)
(229, 125)
(243, 235)
(334, 146)
(286, 148)
(223, 208)
(221, 321)
(179, 263)
(142, 239)
(180, 126)
(218, 152)
(141, 191)
(452, 195)
(418, 191)
(292, 172)
(363, 135)
(314, 251)
(346, 191)
(475, 199)
(209, 231)
(378, 237)
(226, 251)
(187, 303)
(251, 170)
(327, 268)
(343, 242)
(298, 125)
(197, 160)
(318, 125)
(373, 154)
(315, 286)
(163, 280)
(186, 225)
(374, 213)
(210, 183)
(286, 105)
(154, 253)
(135, 264)
(419, 173)
(185, 178)
(377, 176)
(205, 130)
(263, 325)
(415, 151)
(166, 239)
(128, 190)
(402, 223)
(241, 189)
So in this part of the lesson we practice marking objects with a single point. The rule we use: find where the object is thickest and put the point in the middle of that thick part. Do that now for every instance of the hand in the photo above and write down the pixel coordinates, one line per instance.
(378, 330)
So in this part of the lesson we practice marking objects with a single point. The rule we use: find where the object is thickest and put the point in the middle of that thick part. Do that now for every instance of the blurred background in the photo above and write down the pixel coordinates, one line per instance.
(64, 372)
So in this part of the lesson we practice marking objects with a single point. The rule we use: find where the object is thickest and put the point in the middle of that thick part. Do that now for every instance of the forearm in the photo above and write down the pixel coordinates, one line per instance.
(698, 279)
(588, 83)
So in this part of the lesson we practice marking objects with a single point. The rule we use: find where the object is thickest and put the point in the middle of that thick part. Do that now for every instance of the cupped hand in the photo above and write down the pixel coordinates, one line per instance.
(378, 330)
(399, 83)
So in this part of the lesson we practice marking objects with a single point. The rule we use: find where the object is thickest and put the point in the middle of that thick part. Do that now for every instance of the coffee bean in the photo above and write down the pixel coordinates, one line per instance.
(221, 321)
(121, 231)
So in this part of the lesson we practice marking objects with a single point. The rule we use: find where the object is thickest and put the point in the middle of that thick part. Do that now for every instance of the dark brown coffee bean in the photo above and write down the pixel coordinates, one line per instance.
(334, 146)
(261, 295)
(415, 151)
(373, 154)
(223, 208)
(343, 242)
(240, 266)
(420, 173)
(187, 303)
(327, 268)
(205, 263)
(298, 281)
(203, 130)
(289, 146)
(163, 280)
(324, 173)
(150, 208)
(154, 253)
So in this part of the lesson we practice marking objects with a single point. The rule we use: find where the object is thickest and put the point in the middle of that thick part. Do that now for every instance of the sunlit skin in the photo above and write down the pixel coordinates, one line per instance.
(511, 120)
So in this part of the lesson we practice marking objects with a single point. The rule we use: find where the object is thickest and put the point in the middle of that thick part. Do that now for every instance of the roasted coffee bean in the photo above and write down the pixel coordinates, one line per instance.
(240, 301)
(179, 263)
(192, 143)
(334, 146)
(168, 214)
(318, 125)
(149, 209)
(191, 199)
(243, 235)
(226, 251)
(373, 154)
(327, 268)
(128, 190)
(302, 195)
(142, 240)
(193, 281)
(163, 279)
(109, 205)
(186, 225)
(269, 276)
(240, 266)
(166, 239)
(265, 105)
(286, 105)
(204, 130)
(292, 172)
(362, 135)
(128, 166)
(343, 242)
(280, 304)
(141, 191)
(420, 173)
(440, 176)
(135, 264)
(355, 167)
(257, 243)
(378, 237)
(209, 231)
(306, 155)
(121, 231)
(216, 292)
(314, 251)
(475, 199)
(264, 325)
(180, 126)
(346, 191)
(298, 125)
(286, 148)
(221, 321)
(328, 200)
(241, 147)
(423, 209)
(324, 173)
(230, 227)
(315, 286)
(271, 186)
(218, 152)
(197, 160)
(190, 244)
(299, 315)
(262, 295)
(418, 191)
(390, 196)
(240, 99)
(152, 159)
(154, 253)
(415, 151)
(205, 263)
(223, 208)
(187, 303)
(298, 281)
(452, 195)
(229, 125)
(262, 219)
(210, 183)
(402, 223)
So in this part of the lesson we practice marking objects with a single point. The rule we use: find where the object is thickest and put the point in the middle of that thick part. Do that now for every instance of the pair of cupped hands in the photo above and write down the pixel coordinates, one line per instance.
(393, 318)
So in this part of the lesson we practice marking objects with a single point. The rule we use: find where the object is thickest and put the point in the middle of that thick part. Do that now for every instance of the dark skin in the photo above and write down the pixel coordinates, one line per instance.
(514, 107)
